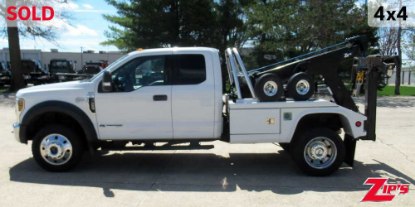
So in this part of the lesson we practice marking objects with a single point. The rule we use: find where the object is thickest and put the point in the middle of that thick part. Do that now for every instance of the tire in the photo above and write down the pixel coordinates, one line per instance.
(318, 151)
(268, 87)
(300, 86)
(57, 148)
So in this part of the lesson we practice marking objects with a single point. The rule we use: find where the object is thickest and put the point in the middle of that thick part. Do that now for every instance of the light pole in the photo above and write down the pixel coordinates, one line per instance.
(82, 56)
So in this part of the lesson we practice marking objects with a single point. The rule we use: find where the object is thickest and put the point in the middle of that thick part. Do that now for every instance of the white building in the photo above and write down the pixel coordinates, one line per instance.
(78, 58)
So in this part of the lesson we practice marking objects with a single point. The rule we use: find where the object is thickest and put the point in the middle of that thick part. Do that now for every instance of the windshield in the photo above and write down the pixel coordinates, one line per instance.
(60, 67)
(109, 67)
(28, 66)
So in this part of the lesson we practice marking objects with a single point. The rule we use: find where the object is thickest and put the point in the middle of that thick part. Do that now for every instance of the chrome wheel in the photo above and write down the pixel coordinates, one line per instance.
(320, 152)
(270, 88)
(56, 149)
(302, 87)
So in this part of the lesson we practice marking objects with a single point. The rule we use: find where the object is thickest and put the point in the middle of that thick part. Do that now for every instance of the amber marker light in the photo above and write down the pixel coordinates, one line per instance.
(20, 104)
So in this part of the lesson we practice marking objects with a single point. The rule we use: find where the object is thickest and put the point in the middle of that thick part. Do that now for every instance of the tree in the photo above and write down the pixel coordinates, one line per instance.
(409, 50)
(399, 65)
(287, 28)
(409, 45)
(165, 23)
(230, 24)
(160, 23)
(388, 40)
(17, 81)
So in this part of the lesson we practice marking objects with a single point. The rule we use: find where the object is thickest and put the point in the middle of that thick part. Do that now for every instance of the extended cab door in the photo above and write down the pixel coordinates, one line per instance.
(193, 95)
(140, 105)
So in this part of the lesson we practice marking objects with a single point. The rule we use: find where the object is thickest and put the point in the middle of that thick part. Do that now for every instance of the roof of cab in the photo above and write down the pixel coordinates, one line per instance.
(173, 49)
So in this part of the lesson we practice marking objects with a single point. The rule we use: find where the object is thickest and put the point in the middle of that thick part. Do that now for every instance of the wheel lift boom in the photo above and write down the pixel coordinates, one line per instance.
(325, 63)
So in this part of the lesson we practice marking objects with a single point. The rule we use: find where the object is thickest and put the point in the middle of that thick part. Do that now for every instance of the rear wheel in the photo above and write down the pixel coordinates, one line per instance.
(57, 148)
(318, 151)
(300, 86)
(268, 87)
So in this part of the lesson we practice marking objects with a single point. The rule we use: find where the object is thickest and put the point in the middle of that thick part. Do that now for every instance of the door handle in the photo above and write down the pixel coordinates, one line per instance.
(160, 98)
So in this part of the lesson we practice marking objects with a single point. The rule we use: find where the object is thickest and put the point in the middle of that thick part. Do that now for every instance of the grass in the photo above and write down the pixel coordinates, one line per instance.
(390, 91)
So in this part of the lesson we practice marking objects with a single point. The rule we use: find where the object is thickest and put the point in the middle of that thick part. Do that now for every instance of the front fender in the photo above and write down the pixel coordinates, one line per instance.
(59, 107)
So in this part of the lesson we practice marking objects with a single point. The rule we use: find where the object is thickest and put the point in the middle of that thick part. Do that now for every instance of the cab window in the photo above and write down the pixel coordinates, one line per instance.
(140, 72)
(190, 69)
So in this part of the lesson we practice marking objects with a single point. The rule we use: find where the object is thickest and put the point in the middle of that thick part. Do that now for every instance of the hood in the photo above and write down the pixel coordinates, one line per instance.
(55, 87)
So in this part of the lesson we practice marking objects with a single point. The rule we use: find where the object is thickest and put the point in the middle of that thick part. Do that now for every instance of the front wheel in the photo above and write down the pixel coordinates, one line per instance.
(57, 148)
(318, 151)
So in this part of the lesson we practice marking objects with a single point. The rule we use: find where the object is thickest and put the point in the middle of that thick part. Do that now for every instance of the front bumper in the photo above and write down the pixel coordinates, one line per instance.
(16, 131)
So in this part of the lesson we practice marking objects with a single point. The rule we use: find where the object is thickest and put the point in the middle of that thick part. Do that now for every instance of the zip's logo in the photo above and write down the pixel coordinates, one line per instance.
(382, 191)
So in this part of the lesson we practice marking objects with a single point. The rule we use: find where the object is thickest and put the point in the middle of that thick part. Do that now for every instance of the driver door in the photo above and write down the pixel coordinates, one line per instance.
(140, 105)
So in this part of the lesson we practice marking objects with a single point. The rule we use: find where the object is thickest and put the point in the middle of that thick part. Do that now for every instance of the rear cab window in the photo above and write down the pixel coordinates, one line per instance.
(189, 70)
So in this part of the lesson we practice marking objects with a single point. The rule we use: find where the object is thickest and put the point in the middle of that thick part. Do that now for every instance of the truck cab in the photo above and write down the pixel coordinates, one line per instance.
(33, 72)
(176, 95)
(162, 94)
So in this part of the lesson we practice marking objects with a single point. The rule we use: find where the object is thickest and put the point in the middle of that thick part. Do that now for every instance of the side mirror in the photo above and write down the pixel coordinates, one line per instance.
(107, 82)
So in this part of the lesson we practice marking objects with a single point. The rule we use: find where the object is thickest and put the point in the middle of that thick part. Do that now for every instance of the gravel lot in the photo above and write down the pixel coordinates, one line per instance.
(227, 175)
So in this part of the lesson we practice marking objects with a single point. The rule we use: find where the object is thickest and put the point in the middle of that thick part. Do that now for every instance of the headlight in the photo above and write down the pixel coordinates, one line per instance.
(20, 104)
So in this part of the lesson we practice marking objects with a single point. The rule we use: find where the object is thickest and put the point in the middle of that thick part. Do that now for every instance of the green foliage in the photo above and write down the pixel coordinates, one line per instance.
(165, 23)
(280, 28)
(287, 28)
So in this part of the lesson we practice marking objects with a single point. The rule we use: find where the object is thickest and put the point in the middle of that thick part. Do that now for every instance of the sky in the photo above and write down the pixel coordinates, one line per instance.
(85, 28)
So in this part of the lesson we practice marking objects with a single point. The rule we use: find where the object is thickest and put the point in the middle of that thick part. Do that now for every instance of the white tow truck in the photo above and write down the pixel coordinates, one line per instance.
(176, 95)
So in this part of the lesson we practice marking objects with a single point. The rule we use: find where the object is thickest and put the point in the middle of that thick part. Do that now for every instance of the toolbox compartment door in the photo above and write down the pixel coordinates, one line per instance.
(255, 121)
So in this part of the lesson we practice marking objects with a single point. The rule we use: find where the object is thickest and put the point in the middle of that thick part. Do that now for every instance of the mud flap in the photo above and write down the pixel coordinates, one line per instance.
(350, 145)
